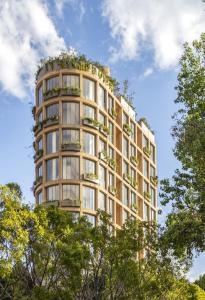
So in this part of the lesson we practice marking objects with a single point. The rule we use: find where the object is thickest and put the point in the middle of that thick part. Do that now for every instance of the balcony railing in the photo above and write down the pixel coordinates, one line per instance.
(65, 91)
(127, 129)
(91, 177)
(147, 151)
(147, 196)
(107, 159)
(53, 120)
(154, 180)
(87, 121)
(71, 146)
(70, 202)
(134, 160)
(129, 179)
(112, 190)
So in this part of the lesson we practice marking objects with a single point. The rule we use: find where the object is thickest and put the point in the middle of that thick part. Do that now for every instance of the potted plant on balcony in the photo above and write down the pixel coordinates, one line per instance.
(112, 163)
(104, 129)
(104, 156)
(71, 146)
(154, 180)
(91, 177)
(127, 129)
(147, 151)
(52, 120)
(51, 93)
(90, 122)
(70, 91)
(147, 196)
(112, 190)
(134, 160)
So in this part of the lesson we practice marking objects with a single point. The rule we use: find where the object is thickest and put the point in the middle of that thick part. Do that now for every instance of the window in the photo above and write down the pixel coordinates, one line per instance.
(71, 167)
(71, 113)
(40, 198)
(125, 195)
(133, 150)
(101, 98)
(125, 147)
(110, 104)
(52, 193)
(89, 111)
(124, 215)
(133, 201)
(39, 144)
(40, 95)
(40, 117)
(125, 119)
(153, 215)
(71, 192)
(89, 143)
(89, 89)
(91, 219)
(111, 208)
(133, 173)
(52, 83)
(102, 145)
(39, 171)
(71, 81)
(111, 152)
(111, 132)
(152, 171)
(52, 110)
(52, 142)
(71, 136)
(101, 201)
(102, 119)
(146, 212)
(145, 168)
(146, 186)
(102, 176)
(52, 169)
(153, 196)
(145, 142)
(132, 126)
(125, 167)
(152, 152)
(89, 166)
(88, 198)
(111, 179)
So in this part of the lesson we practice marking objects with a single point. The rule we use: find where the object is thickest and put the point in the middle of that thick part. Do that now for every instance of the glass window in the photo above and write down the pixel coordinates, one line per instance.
(88, 198)
(101, 201)
(133, 200)
(125, 147)
(102, 176)
(111, 152)
(152, 152)
(39, 171)
(111, 208)
(132, 126)
(52, 83)
(52, 169)
(102, 145)
(89, 89)
(145, 142)
(40, 117)
(110, 104)
(71, 135)
(52, 142)
(153, 196)
(146, 186)
(133, 150)
(88, 111)
(111, 132)
(111, 179)
(102, 119)
(52, 110)
(125, 119)
(91, 219)
(152, 171)
(40, 198)
(52, 193)
(71, 192)
(125, 195)
(125, 215)
(146, 212)
(40, 95)
(145, 168)
(89, 166)
(101, 98)
(153, 215)
(71, 113)
(89, 143)
(40, 144)
(125, 167)
(133, 173)
(71, 81)
(71, 167)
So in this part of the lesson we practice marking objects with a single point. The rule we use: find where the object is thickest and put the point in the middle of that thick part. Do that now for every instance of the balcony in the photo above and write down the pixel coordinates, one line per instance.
(71, 146)
(37, 182)
(70, 202)
(134, 160)
(127, 129)
(91, 177)
(146, 151)
(66, 91)
(112, 112)
(38, 155)
(112, 190)
(129, 179)
(37, 128)
(51, 203)
(107, 159)
(104, 130)
(87, 121)
(53, 120)
(154, 180)
(147, 196)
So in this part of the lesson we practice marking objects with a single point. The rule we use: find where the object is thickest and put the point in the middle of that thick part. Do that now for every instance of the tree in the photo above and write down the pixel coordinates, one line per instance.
(201, 281)
(185, 225)
(15, 187)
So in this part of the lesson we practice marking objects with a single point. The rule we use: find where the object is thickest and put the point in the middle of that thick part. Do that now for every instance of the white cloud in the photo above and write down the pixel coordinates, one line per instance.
(160, 26)
(147, 72)
(76, 5)
(26, 35)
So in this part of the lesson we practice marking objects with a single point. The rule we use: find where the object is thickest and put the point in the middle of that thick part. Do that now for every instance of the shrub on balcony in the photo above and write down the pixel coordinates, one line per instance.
(91, 122)
(147, 196)
(154, 180)
(104, 129)
(127, 129)
(91, 177)
(73, 145)
(51, 120)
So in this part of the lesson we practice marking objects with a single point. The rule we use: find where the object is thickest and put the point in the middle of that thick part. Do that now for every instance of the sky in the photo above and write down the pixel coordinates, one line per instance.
(141, 40)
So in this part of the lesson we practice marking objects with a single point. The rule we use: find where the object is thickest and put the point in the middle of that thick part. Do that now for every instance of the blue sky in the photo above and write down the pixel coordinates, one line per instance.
(141, 40)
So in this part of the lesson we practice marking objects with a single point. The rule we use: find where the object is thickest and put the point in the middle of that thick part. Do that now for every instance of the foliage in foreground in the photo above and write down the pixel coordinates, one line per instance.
(44, 254)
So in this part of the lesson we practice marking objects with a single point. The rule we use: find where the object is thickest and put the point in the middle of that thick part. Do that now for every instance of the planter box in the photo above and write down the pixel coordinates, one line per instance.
(112, 166)
(127, 129)
(51, 203)
(71, 147)
(112, 113)
(134, 161)
(50, 122)
(103, 132)
(68, 92)
(70, 203)
(89, 123)
(147, 196)
(37, 128)
(146, 151)
(112, 190)
(89, 178)
(51, 94)
(154, 180)
(103, 157)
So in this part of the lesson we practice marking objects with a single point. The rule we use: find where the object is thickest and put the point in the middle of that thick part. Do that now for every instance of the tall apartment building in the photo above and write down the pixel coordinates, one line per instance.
(90, 151)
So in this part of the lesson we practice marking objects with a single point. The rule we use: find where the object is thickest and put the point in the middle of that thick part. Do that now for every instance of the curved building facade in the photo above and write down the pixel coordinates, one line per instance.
(90, 152)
